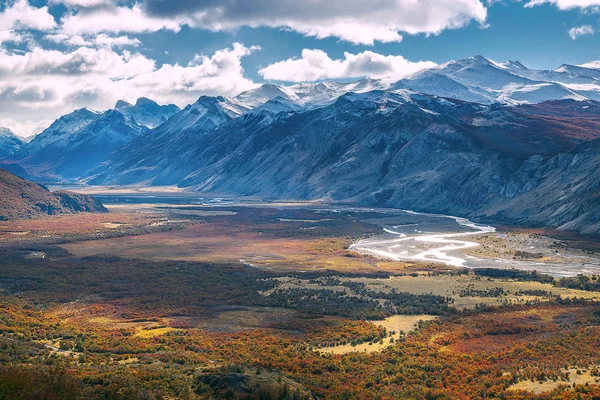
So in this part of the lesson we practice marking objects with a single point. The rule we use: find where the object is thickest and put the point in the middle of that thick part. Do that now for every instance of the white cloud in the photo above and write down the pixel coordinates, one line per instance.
(581, 31)
(25, 127)
(355, 21)
(316, 65)
(101, 40)
(116, 19)
(565, 4)
(219, 74)
(67, 40)
(20, 15)
(50, 83)
(83, 3)
(10, 36)
(118, 41)
(39, 62)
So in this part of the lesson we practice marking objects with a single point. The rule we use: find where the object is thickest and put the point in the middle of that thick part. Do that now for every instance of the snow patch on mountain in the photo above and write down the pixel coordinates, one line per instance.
(9, 142)
(255, 97)
(59, 132)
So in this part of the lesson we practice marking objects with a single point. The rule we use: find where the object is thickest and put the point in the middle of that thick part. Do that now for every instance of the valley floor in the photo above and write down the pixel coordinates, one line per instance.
(173, 296)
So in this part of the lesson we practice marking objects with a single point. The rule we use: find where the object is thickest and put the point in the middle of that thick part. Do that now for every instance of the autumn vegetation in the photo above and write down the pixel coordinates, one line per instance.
(123, 327)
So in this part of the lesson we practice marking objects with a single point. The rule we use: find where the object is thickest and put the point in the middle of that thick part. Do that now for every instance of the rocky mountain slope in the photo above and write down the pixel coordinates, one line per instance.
(158, 153)
(24, 199)
(398, 149)
(76, 142)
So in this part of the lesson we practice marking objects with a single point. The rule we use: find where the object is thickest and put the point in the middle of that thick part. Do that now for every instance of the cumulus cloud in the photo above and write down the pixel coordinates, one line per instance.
(355, 21)
(50, 83)
(10, 36)
(565, 4)
(581, 31)
(101, 40)
(83, 3)
(316, 65)
(84, 61)
(220, 74)
(117, 19)
(20, 15)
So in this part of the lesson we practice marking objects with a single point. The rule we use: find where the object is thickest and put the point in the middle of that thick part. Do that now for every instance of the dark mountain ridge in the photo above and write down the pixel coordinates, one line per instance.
(24, 199)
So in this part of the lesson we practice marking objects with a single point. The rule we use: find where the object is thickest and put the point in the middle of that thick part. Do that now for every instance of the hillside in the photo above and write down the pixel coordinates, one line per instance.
(24, 199)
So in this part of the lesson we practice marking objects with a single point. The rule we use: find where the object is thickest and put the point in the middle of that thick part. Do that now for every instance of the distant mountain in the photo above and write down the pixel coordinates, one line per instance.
(481, 80)
(9, 142)
(205, 114)
(17, 170)
(77, 142)
(561, 192)
(305, 95)
(574, 70)
(324, 93)
(474, 79)
(24, 199)
(146, 112)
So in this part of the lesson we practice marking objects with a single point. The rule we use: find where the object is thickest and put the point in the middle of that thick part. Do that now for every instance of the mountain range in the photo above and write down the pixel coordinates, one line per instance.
(488, 140)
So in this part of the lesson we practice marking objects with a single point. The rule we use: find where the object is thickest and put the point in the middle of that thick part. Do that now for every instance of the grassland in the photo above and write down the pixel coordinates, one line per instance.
(570, 377)
(395, 326)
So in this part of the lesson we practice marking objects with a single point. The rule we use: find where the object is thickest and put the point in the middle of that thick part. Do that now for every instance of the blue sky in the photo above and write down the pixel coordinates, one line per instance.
(58, 55)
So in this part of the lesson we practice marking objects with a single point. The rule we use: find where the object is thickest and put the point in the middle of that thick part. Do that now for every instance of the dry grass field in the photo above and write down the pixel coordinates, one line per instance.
(289, 240)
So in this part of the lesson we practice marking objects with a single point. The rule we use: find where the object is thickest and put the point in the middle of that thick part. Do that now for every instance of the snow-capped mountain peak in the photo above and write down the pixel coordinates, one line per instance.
(65, 126)
(255, 97)
(146, 112)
